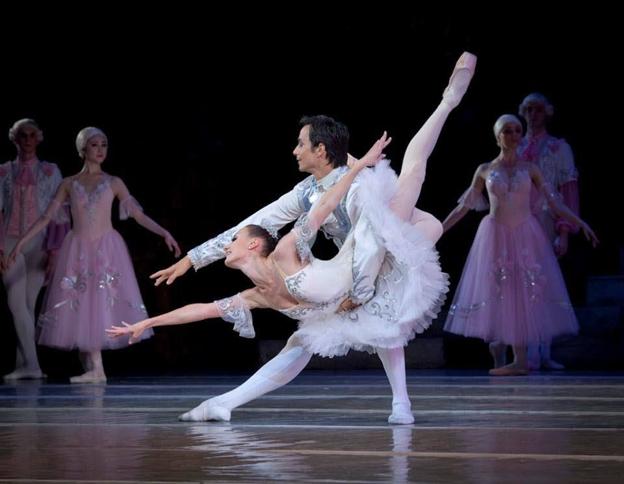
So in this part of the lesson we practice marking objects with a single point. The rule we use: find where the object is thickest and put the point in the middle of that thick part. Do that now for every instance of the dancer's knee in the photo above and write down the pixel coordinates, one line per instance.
(293, 342)
(430, 226)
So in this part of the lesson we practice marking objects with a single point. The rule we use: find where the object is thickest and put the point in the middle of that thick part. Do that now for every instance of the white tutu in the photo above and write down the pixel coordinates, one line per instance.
(409, 291)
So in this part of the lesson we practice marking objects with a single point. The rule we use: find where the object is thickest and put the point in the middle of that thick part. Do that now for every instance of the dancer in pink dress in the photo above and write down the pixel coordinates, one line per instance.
(511, 283)
(408, 291)
(94, 285)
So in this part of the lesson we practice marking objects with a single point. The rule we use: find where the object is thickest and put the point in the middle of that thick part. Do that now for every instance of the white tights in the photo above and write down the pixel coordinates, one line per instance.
(275, 373)
(285, 367)
(23, 281)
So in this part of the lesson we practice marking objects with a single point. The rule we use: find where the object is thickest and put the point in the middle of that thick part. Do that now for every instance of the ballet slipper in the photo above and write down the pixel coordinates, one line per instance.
(88, 377)
(25, 374)
(401, 414)
(509, 371)
(205, 411)
(460, 79)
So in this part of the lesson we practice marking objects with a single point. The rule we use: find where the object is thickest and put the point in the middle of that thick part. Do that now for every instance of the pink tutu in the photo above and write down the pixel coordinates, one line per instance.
(511, 289)
(93, 288)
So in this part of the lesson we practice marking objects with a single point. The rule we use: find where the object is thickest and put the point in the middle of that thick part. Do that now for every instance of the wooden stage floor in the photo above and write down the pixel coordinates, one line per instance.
(323, 427)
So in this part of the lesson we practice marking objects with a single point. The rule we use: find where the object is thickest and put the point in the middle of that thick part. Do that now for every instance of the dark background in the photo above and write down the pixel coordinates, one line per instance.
(201, 108)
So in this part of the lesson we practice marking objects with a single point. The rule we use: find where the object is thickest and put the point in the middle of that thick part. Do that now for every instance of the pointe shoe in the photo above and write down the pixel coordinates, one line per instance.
(208, 410)
(508, 371)
(401, 414)
(460, 79)
(88, 377)
(24, 374)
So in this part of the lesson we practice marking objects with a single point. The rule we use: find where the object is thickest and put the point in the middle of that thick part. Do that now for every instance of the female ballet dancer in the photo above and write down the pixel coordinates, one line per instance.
(94, 285)
(511, 291)
(409, 289)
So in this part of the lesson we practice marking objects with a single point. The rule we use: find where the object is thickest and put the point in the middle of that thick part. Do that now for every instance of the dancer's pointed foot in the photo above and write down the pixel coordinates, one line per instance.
(207, 410)
(499, 353)
(460, 79)
(25, 374)
(509, 370)
(401, 414)
(89, 377)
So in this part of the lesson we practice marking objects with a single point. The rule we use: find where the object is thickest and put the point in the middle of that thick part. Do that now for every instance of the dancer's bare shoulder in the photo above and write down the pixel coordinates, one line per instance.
(483, 169)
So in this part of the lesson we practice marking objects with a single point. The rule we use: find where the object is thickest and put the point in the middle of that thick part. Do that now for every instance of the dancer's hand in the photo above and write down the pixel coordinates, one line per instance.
(375, 153)
(134, 330)
(589, 234)
(171, 273)
(172, 244)
(17, 250)
(347, 305)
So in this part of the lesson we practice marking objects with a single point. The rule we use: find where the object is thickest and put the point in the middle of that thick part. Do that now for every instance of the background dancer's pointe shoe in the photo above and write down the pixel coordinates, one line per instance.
(88, 377)
(460, 79)
(24, 374)
(509, 371)
(401, 414)
(208, 410)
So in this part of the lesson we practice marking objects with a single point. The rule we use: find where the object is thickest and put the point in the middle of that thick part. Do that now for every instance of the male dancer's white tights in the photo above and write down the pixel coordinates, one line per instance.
(23, 281)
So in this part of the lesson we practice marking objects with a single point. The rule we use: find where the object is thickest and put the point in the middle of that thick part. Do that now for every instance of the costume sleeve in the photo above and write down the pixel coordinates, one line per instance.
(235, 310)
(368, 250)
(272, 217)
(303, 237)
(473, 199)
(128, 207)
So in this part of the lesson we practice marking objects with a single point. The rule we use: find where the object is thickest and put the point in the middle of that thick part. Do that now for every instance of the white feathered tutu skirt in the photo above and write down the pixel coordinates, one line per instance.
(409, 290)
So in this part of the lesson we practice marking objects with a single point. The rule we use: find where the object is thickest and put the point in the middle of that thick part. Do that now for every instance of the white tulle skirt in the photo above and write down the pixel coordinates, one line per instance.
(409, 291)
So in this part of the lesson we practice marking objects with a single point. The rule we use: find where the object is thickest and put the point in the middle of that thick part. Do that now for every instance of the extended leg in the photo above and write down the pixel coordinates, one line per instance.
(274, 374)
(420, 147)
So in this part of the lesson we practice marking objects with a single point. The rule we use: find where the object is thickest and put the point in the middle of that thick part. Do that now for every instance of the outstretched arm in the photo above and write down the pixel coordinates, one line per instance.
(184, 315)
(275, 215)
(130, 208)
(61, 195)
(558, 207)
(234, 309)
(330, 200)
(469, 200)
